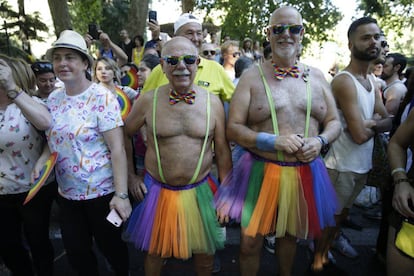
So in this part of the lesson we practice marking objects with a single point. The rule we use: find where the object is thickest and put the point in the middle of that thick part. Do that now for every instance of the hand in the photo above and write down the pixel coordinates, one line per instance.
(289, 143)
(310, 150)
(6, 77)
(36, 170)
(223, 219)
(122, 206)
(88, 39)
(403, 193)
(154, 28)
(136, 187)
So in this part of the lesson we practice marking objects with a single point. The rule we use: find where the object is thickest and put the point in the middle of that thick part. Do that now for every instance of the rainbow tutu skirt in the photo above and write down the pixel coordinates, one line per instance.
(265, 196)
(176, 221)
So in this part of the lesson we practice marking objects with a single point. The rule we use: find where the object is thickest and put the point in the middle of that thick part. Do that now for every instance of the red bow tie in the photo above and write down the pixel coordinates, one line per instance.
(188, 98)
(281, 73)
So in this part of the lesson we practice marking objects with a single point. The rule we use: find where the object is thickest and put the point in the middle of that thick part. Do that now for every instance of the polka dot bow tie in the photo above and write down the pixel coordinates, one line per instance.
(281, 73)
(188, 98)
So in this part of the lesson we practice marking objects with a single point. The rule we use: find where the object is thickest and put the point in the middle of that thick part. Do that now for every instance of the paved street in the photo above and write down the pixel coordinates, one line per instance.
(363, 241)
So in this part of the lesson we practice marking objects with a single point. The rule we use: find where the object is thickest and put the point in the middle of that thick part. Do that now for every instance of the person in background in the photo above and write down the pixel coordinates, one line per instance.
(138, 50)
(210, 74)
(22, 120)
(398, 263)
(257, 52)
(107, 73)
(242, 64)
(230, 53)
(247, 48)
(45, 78)
(107, 48)
(183, 121)
(395, 89)
(362, 115)
(145, 68)
(208, 51)
(126, 44)
(91, 167)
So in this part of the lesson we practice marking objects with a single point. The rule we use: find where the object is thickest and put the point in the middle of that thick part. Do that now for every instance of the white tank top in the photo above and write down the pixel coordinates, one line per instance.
(345, 155)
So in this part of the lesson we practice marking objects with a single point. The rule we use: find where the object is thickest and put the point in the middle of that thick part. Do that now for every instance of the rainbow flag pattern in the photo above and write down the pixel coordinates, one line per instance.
(124, 102)
(130, 79)
(44, 174)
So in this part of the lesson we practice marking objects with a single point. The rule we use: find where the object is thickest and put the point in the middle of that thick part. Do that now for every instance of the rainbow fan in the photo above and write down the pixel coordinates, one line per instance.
(124, 102)
(130, 79)
(44, 174)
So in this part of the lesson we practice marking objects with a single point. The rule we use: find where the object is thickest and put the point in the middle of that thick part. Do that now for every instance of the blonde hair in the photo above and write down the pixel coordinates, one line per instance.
(112, 64)
(22, 74)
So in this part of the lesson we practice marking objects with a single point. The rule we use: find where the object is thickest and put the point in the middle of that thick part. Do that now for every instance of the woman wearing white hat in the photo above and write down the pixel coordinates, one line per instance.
(91, 168)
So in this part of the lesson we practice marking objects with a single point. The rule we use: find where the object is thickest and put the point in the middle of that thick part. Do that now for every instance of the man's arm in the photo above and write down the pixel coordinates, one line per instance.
(133, 123)
(121, 56)
(394, 96)
(345, 94)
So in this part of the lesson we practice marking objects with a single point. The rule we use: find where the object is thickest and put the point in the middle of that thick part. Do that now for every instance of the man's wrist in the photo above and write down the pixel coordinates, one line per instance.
(266, 141)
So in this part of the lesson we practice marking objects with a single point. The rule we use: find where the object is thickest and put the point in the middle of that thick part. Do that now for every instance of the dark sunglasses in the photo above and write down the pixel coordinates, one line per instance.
(209, 52)
(236, 54)
(188, 59)
(384, 44)
(42, 67)
(279, 29)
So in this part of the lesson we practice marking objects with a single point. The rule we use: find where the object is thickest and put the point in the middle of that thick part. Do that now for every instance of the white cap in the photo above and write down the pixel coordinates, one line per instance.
(185, 18)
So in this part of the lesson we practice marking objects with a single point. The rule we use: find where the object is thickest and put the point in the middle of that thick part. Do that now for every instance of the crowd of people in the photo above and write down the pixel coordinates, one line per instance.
(175, 139)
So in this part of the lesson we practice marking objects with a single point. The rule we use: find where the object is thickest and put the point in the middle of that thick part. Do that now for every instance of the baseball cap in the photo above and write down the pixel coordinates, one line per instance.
(185, 18)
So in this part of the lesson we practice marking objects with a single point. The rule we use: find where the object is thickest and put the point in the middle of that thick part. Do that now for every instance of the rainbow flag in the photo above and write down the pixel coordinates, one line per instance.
(124, 102)
(130, 79)
(44, 174)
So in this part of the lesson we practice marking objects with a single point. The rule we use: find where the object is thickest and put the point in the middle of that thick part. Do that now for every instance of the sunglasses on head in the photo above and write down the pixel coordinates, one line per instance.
(209, 52)
(42, 67)
(279, 29)
(173, 60)
(384, 44)
(236, 54)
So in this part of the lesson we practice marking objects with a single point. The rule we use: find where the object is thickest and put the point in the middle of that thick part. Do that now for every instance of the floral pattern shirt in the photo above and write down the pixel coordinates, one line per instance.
(83, 168)
(20, 147)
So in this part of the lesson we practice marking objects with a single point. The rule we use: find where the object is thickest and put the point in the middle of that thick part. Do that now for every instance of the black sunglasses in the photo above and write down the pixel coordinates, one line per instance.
(173, 60)
(384, 44)
(42, 67)
(209, 52)
(279, 29)
(236, 54)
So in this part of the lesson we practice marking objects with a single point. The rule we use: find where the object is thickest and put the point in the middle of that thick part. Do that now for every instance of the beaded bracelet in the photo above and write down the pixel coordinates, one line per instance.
(396, 170)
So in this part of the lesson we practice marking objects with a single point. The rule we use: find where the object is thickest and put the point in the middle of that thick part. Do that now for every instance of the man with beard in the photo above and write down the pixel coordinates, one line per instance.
(282, 115)
(362, 114)
(395, 90)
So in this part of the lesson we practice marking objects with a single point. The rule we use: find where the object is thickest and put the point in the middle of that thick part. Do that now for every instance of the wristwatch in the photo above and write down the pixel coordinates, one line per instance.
(13, 94)
(121, 195)
(325, 144)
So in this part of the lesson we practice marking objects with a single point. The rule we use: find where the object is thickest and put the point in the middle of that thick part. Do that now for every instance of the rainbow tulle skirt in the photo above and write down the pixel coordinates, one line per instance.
(284, 197)
(176, 221)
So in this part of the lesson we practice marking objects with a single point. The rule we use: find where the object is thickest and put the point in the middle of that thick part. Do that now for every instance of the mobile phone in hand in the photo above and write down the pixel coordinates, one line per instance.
(152, 16)
(114, 218)
(93, 30)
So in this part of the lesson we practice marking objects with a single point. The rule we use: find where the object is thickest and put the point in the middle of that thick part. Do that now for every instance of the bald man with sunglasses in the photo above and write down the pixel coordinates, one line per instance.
(176, 217)
(283, 115)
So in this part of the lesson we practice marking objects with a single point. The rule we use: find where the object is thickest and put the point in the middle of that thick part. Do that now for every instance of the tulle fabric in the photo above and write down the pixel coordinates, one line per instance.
(283, 197)
(176, 221)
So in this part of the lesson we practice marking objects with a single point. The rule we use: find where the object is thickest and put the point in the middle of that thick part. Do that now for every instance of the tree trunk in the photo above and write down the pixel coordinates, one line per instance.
(137, 17)
(60, 15)
(188, 5)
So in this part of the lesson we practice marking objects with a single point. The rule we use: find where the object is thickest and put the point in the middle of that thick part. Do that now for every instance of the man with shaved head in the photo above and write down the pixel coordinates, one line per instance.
(176, 218)
(283, 115)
